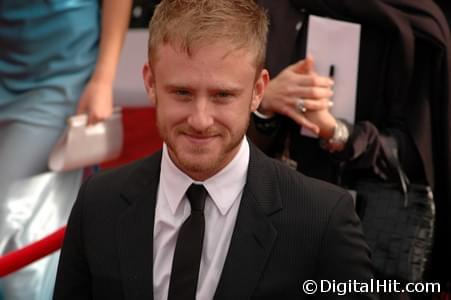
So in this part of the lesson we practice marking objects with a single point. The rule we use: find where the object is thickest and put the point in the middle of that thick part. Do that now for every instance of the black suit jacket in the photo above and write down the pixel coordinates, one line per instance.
(289, 228)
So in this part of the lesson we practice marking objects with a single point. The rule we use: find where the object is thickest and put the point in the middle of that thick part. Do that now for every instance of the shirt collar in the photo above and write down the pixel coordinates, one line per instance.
(223, 188)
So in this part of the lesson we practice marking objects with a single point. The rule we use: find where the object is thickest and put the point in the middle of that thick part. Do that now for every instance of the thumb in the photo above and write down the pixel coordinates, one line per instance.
(82, 106)
(81, 109)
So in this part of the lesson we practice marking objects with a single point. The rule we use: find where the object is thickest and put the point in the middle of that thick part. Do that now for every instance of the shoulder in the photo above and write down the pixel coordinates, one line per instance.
(316, 220)
(118, 176)
(108, 185)
(304, 201)
(299, 187)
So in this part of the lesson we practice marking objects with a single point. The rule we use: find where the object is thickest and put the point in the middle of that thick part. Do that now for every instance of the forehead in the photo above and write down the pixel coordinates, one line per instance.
(208, 61)
(211, 48)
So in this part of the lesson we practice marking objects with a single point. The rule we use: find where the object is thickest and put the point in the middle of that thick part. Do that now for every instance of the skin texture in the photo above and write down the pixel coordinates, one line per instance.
(97, 98)
(300, 80)
(203, 103)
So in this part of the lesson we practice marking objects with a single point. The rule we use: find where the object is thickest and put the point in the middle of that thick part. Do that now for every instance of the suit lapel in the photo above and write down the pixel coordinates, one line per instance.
(254, 235)
(251, 243)
(135, 230)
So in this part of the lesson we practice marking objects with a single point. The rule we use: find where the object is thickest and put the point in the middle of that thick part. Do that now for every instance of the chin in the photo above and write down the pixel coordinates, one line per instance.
(200, 163)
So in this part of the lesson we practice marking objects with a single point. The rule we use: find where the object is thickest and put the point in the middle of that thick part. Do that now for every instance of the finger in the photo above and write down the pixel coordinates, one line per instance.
(92, 119)
(304, 66)
(95, 117)
(301, 120)
(320, 104)
(99, 116)
(306, 123)
(313, 93)
(81, 109)
(313, 80)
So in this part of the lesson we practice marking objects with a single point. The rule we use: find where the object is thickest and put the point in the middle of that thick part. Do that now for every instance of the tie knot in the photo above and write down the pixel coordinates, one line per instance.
(196, 194)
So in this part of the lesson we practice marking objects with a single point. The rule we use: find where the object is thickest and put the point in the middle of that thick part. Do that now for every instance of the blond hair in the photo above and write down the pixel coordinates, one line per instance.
(186, 23)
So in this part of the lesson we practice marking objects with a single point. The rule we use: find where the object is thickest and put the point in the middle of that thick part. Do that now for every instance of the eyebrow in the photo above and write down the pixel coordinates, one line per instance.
(229, 89)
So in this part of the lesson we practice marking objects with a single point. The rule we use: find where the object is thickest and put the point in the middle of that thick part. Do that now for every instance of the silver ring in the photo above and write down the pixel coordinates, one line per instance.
(300, 106)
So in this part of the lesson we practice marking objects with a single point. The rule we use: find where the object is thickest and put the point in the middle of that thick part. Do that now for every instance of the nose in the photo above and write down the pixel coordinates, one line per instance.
(200, 117)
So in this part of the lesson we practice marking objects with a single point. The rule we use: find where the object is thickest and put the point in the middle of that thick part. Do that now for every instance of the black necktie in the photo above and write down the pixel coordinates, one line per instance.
(188, 250)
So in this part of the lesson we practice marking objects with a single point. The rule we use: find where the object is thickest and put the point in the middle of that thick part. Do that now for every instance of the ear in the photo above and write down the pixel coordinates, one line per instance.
(149, 82)
(259, 89)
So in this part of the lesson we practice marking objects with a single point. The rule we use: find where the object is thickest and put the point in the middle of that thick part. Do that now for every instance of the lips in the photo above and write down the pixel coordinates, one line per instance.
(199, 139)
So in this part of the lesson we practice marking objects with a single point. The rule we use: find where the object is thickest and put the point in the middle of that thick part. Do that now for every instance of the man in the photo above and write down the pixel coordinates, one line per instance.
(261, 231)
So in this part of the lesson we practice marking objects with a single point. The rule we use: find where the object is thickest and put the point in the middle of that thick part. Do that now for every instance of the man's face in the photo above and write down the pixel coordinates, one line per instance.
(203, 103)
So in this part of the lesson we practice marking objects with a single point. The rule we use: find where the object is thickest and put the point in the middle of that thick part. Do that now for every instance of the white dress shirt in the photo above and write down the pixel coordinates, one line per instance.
(221, 208)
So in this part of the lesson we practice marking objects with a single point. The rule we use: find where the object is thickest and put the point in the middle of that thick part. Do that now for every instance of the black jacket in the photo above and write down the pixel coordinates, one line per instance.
(289, 228)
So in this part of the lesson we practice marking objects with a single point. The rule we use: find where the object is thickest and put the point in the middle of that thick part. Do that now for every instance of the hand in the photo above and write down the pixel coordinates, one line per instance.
(294, 82)
(323, 120)
(96, 101)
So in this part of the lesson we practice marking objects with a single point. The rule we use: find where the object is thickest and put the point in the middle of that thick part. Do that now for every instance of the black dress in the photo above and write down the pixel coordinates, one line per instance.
(403, 90)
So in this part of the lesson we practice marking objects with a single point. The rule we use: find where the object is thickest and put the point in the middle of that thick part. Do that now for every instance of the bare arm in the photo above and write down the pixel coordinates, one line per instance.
(97, 98)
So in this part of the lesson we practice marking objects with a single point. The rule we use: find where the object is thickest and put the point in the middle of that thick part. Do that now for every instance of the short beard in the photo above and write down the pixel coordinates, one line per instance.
(205, 168)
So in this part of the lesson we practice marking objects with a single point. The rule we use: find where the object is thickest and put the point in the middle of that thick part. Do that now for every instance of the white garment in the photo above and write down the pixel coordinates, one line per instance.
(24, 150)
(221, 208)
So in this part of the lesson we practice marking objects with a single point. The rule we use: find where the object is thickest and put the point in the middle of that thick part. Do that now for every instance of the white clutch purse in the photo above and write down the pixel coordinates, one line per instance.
(81, 145)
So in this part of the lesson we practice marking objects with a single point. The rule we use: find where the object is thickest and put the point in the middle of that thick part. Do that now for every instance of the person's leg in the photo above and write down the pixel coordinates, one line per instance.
(40, 205)
(24, 151)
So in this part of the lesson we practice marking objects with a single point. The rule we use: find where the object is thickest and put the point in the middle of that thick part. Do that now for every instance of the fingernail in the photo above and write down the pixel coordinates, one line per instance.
(330, 104)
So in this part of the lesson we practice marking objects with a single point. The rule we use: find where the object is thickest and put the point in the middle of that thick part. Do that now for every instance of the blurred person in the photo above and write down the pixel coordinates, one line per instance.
(57, 58)
(395, 97)
(209, 216)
